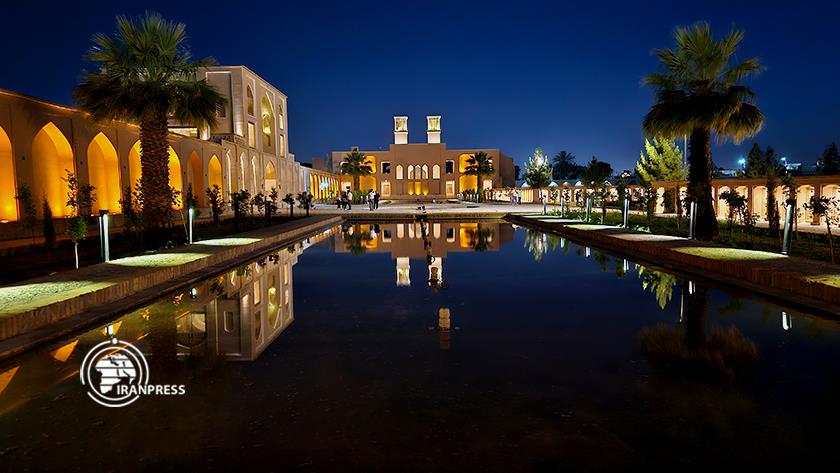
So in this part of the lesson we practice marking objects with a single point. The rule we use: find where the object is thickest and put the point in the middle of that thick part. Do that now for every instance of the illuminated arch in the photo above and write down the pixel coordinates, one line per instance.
(425, 171)
(8, 187)
(465, 181)
(135, 169)
(195, 177)
(51, 156)
(255, 189)
(436, 171)
(270, 176)
(104, 173)
(240, 178)
(229, 172)
(411, 172)
(214, 172)
(250, 101)
(267, 116)
(175, 179)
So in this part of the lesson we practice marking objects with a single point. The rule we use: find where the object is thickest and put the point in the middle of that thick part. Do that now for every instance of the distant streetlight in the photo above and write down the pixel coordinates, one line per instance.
(743, 163)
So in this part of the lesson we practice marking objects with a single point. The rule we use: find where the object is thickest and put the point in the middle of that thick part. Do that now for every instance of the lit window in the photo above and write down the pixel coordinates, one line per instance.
(436, 172)
(411, 172)
(450, 167)
(386, 168)
(399, 171)
(280, 120)
(425, 171)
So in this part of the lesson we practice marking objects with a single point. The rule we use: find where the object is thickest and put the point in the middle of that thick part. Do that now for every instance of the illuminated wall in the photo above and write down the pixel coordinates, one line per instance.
(466, 182)
(104, 173)
(8, 188)
(195, 177)
(270, 177)
(175, 179)
(135, 169)
(51, 158)
(214, 173)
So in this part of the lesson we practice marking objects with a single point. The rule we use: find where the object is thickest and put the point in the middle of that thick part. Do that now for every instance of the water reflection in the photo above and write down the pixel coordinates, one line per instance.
(233, 316)
(689, 350)
(422, 240)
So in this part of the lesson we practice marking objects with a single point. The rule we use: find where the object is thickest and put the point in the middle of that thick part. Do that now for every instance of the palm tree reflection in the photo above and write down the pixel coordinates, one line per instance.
(689, 350)
(355, 240)
(480, 238)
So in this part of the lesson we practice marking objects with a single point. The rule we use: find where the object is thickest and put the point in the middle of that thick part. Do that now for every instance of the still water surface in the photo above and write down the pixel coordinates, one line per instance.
(330, 354)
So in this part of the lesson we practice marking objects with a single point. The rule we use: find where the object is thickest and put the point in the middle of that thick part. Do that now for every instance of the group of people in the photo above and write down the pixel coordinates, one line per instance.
(515, 197)
(344, 200)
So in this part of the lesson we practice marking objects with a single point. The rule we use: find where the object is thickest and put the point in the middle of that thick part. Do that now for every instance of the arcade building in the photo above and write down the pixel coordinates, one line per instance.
(423, 171)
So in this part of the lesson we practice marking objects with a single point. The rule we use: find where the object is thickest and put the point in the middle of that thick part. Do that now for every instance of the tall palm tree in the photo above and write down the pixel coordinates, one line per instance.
(147, 75)
(356, 164)
(565, 166)
(478, 165)
(699, 91)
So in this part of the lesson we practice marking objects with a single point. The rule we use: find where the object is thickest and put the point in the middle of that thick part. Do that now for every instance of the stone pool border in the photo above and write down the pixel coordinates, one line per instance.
(785, 278)
(138, 285)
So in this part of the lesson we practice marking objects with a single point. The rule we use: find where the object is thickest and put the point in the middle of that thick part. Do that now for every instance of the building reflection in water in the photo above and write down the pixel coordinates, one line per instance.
(233, 316)
(422, 240)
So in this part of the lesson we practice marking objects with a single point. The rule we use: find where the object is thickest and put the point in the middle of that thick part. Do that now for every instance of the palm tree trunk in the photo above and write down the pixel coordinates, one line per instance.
(700, 182)
(830, 240)
(154, 180)
(356, 183)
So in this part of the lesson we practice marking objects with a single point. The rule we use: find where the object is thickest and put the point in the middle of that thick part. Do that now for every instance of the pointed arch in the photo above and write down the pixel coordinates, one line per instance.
(436, 171)
(195, 177)
(175, 179)
(267, 118)
(270, 176)
(229, 176)
(250, 100)
(51, 156)
(255, 189)
(135, 169)
(104, 173)
(240, 178)
(411, 172)
(8, 184)
(425, 171)
(214, 173)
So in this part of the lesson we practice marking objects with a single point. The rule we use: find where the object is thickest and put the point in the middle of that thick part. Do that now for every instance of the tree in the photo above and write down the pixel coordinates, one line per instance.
(240, 202)
(594, 175)
(217, 202)
(829, 163)
(356, 164)
(132, 218)
(145, 74)
(270, 204)
(27, 209)
(290, 200)
(478, 165)
(827, 208)
(49, 226)
(660, 160)
(565, 166)
(699, 92)
(80, 199)
(736, 204)
(538, 170)
(303, 201)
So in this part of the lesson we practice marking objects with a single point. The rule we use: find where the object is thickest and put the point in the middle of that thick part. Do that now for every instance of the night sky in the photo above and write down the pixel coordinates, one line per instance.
(512, 75)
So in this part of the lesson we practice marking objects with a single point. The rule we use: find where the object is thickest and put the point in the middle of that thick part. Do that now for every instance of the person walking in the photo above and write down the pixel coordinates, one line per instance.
(349, 200)
(375, 200)
(370, 200)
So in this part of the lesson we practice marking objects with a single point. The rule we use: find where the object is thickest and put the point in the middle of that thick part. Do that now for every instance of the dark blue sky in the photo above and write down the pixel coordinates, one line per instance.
(509, 75)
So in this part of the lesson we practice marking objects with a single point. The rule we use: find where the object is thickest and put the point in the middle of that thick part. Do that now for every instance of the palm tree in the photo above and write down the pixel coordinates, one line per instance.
(700, 91)
(356, 164)
(565, 166)
(147, 75)
(478, 165)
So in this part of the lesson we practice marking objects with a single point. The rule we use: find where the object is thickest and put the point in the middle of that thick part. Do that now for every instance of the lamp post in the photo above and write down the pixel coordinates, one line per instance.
(692, 219)
(103, 236)
(626, 210)
(190, 212)
(788, 226)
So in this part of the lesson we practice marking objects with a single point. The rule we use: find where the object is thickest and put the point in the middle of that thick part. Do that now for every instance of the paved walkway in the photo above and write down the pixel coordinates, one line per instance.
(799, 280)
(45, 305)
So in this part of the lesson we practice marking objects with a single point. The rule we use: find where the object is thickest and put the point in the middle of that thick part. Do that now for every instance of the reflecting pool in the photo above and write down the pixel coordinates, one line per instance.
(440, 346)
